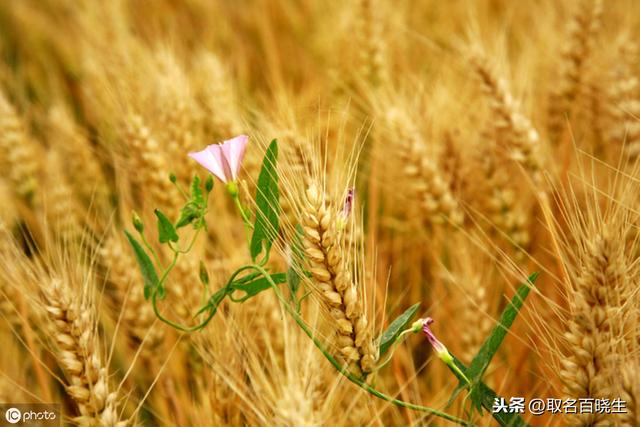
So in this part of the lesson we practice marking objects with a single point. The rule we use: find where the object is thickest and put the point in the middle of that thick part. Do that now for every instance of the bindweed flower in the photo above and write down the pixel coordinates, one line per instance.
(348, 203)
(435, 343)
(223, 160)
(137, 222)
(441, 351)
(346, 208)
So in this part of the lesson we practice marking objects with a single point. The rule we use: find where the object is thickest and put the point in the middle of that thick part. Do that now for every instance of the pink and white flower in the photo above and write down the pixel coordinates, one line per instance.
(348, 203)
(223, 160)
(439, 348)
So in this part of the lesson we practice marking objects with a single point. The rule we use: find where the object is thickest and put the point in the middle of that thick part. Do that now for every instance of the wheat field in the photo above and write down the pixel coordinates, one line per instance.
(422, 212)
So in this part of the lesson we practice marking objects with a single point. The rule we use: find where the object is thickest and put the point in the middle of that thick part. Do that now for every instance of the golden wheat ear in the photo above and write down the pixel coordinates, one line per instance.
(19, 153)
(333, 280)
(73, 331)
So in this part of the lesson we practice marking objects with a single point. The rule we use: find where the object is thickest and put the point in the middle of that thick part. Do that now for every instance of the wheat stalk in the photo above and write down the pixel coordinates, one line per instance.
(178, 115)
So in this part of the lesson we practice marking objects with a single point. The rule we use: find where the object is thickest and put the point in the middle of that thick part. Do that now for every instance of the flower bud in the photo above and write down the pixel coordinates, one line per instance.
(232, 188)
(204, 275)
(137, 222)
(208, 184)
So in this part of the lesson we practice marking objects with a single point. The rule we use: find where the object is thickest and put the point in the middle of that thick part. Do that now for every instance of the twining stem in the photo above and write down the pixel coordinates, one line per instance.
(396, 342)
(165, 274)
(150, 248)
(448, 359)
(232, 188)
(233, 191)
(243, 213)
(342, 369)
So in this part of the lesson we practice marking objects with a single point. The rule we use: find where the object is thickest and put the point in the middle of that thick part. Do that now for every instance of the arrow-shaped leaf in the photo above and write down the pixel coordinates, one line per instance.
(268, 206)
(166, 230)
(397, 326)
(483, 358)
(147, 269)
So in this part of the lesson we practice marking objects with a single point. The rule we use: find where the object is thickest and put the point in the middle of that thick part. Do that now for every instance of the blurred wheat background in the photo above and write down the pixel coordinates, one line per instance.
(486, 140)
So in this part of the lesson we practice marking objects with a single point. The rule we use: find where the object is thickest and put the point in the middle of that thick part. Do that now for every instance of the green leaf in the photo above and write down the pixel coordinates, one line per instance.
(487, 397)
(188, 214)
(196, 192)
(193, 211)
(137, 222)
(396, 327)
(203, 274)
(166, 230)
(297, 256)
(267, 200)
(146, 267)
(481, 361)
(254, 287)
(208, 184)
(214, 302)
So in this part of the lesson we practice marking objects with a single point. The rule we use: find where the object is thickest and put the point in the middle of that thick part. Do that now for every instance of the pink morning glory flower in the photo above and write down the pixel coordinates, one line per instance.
(439, 348)
(441, 351)
(223, 160)
(348, 203)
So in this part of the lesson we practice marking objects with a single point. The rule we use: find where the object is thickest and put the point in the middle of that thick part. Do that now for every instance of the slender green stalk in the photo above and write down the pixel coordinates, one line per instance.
(399, 339)
(243, 213)
(342, 369)
(232, 188)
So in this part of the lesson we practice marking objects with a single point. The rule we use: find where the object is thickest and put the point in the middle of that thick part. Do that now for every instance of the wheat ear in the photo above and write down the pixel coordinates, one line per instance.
(334, 282)
(84, 169)
(624, 102)
(62, 207)
(595, 297)
(18, 152)
(514, 132)
(430, 188)
(501, 206)
(582, 30)
(150, 166)
(370, 42)
(74, 332)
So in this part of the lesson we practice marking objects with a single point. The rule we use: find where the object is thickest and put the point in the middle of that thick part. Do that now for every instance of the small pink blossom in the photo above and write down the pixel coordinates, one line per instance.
(439, 348)
(441, 351)
(348, 203)
(223, 160)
